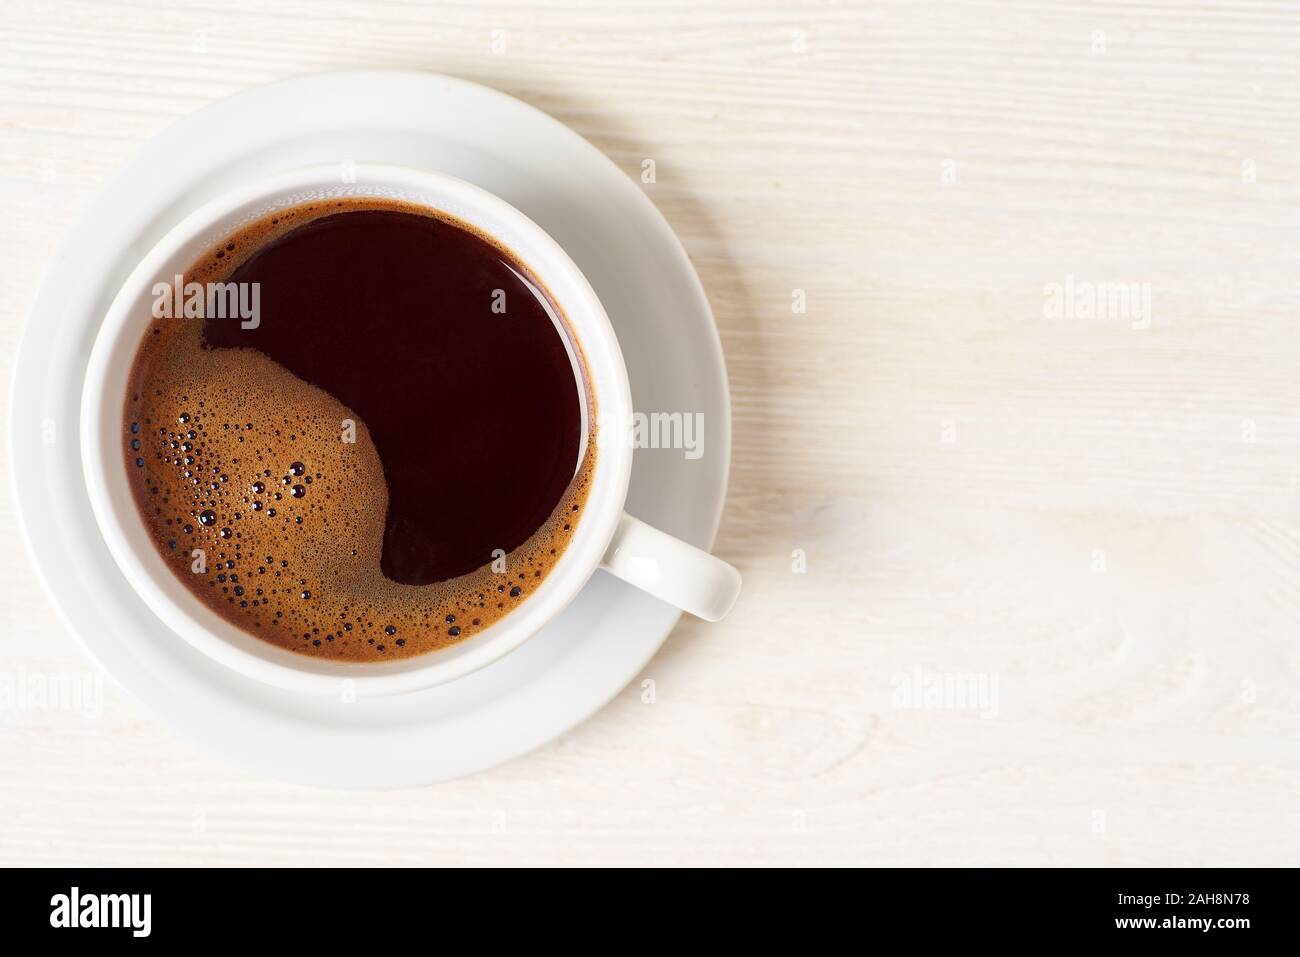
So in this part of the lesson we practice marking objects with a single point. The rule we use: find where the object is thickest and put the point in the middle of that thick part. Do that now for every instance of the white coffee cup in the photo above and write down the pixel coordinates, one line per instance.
(606, 536)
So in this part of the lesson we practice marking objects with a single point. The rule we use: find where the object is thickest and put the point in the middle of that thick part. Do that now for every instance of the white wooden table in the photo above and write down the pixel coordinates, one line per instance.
(1051, 600)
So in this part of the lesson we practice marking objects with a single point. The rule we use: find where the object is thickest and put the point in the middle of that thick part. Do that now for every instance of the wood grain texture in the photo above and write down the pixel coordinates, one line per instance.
(1101, 522)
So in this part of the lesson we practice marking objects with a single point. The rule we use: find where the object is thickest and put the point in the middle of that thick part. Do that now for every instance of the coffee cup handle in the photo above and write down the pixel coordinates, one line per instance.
(671, 570)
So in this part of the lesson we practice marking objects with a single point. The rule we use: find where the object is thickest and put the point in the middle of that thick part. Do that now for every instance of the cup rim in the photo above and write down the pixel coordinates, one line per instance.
(162, 590)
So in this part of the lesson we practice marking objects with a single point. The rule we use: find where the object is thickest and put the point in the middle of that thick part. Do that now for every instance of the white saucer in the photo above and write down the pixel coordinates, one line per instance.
(642, 276)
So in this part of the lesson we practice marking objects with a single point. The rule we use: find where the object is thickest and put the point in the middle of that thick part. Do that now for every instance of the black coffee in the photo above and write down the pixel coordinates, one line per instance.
(385, 458)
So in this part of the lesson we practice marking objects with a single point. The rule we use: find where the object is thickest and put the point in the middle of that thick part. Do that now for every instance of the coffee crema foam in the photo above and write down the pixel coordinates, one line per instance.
(269, 518)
